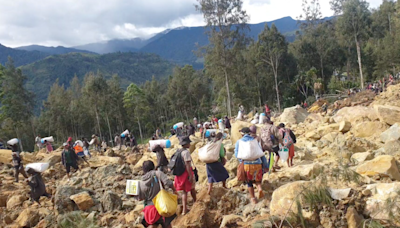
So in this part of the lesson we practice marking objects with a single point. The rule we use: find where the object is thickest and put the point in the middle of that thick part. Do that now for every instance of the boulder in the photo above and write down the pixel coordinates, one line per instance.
(53, 158)
(5, 156)
(174, 141)
(133, 158)
(294, 115)
(236, 127)
(111, 201)
(359, 144)
(324, 130)
(361, 157)
(339, 194)
(393, 133)
(344, 126)
(15, 201)
(28, 218)
(354, 114)
(61, 200)
(381, 193)
(83, 200)
(299, 172)
(231, 166)
(3, 200)
(392, 147)
(313, 135)
(147, 156)
(368, 129)
(388, 114)
(354, 220)
(99, 161)
(381, 165)
(283, 198)
(230, 220)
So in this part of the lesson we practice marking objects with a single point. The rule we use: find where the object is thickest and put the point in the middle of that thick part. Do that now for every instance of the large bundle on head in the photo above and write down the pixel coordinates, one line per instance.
(163, 143)
(12, 142)
(38, 167)
(48, 139)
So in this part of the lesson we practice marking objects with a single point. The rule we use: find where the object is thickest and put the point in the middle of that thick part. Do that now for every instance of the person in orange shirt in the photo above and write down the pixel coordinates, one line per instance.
(79, 151)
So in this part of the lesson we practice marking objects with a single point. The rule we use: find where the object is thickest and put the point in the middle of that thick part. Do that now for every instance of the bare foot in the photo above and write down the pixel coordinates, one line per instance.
(254, 201)
(260, 194)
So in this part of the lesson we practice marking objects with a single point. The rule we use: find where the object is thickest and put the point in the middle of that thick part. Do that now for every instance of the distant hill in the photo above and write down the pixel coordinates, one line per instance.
(20, 57)
(178, 44)
(52, 50)
(131, 67)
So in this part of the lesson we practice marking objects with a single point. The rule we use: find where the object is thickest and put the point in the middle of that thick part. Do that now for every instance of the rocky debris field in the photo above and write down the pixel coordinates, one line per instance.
(346, 174)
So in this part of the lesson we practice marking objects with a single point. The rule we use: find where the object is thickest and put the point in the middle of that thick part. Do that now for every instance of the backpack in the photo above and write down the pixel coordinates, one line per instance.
(176, 164)
(267, 138)
(287, 140)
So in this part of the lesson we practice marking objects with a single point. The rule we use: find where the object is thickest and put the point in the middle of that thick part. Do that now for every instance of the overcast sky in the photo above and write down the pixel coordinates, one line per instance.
(77, 22)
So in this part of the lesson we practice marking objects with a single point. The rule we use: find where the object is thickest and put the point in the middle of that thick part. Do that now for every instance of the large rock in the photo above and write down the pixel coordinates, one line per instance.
(299, 172)
(361, 157)
(381, 192)
(344, 126)
(381, 165)
(15, 201)
(294, 115)
(368, 129)
(354, 220)
(147, 156)
(62, 201)
(354, 114)
(5, 156)
(359, 144)
(392, 147)
(388, 114)
(283, 198)
(133, 158)
(231, 166)
(28, 218)
(236, 127)
(83, 200)
(313, 135)
(111, 201)
(98, 161)
(53, 158)
(324, 130)
(393, 133)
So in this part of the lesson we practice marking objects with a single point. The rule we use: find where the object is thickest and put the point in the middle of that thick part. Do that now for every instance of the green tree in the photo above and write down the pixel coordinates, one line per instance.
(16, 101)
(272, 47)
(226, 20)
(354, 23)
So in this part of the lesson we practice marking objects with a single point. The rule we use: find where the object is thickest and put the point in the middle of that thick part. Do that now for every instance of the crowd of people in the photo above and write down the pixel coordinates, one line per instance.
(271, 141)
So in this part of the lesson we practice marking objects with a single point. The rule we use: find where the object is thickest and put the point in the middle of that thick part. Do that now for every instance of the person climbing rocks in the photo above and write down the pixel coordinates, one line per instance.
(216, 171)
(180, 165)
(69, 159)
(254, 170)
(18, 166)
(118, 141)
(227, 123)
(284, 131)
(267, 110)
(86, 147)
(270, 139)
(79, 151)
(162, 161)
(38, 187)
(149, 187)
(38, 142)
(49, 147)
(158, 133)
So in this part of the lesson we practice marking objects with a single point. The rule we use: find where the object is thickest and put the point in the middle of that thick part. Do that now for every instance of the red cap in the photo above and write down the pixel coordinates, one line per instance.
(69, 139)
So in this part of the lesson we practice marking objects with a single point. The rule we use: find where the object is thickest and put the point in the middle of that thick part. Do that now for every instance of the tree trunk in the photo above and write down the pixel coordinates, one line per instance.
(109, 129)
(259, 91)
(348, 63)
(277, 89)
(140, 130)
(228, 101)
(322, 68)
(359, 62)
(98, 122)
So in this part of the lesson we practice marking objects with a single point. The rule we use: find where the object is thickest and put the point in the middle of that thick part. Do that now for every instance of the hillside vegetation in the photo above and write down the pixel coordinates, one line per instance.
(131, 67)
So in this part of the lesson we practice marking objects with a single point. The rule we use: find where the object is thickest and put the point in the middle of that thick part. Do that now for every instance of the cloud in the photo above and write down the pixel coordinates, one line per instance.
(76, 22)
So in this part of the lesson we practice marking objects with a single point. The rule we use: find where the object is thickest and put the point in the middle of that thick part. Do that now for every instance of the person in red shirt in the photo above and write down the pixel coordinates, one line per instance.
(305, 104)
(267, 110)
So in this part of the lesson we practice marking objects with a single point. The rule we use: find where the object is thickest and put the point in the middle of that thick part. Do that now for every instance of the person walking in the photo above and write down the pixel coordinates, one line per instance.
(18, 167)
(86, 147)
(117, 141)
(162, 161)
(38, 141)
(49, 147)
(69, 159)
(38, 187)
(216, 171)
(227, 123)
(292, 136)
(158, 133)
(270, 140)
(254, 170)
(149, 187)
(181, 167)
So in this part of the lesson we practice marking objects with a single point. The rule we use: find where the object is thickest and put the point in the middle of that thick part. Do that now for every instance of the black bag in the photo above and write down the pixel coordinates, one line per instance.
(176, 164)
(196, 175)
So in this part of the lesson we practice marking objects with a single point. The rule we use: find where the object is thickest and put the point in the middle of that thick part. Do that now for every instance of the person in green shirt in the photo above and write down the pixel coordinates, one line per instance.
(216, 171)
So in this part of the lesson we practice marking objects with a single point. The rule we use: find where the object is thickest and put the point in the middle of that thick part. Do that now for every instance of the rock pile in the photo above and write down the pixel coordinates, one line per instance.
(346, 173)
